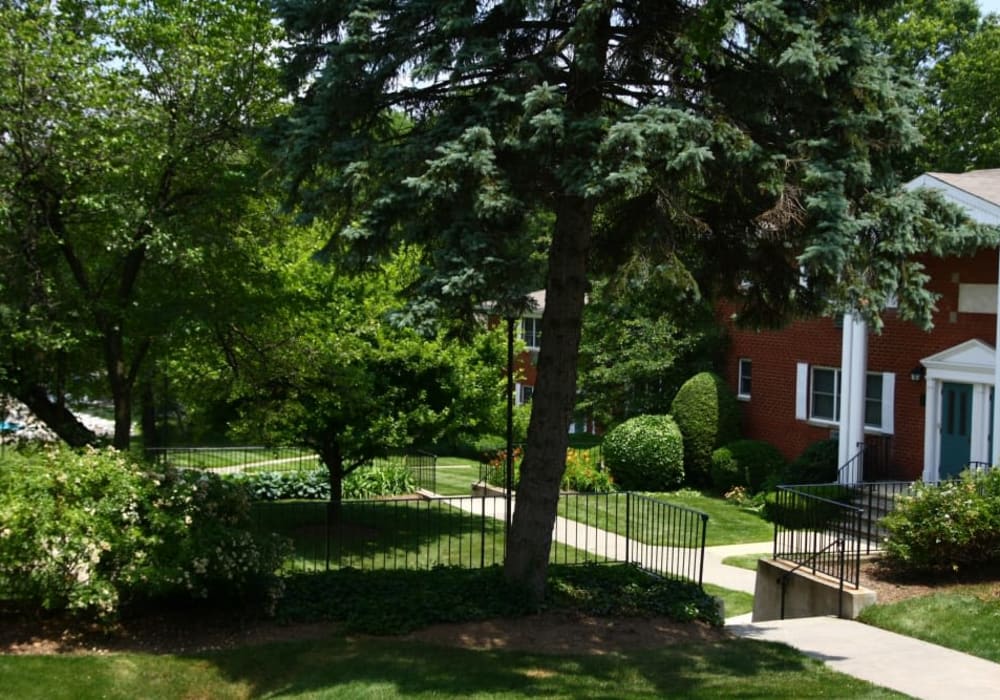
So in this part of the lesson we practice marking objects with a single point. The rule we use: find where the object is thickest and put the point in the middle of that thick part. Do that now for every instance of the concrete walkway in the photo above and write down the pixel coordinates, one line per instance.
(890, 660)
(887, 659)
(884, 658)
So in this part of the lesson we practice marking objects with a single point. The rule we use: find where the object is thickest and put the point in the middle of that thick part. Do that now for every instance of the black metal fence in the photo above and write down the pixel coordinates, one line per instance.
(468, 531)
(242, 460)
(235, 460)
(819, 530)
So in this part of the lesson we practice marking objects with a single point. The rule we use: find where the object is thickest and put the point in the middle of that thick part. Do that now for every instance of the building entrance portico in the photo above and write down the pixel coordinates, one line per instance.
(958, 422)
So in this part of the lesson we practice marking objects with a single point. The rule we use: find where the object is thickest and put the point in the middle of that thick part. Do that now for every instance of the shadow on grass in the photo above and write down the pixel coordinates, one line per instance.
(393, 668)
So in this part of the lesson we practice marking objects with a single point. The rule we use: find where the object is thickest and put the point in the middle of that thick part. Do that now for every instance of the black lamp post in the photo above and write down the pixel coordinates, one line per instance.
(509, 481)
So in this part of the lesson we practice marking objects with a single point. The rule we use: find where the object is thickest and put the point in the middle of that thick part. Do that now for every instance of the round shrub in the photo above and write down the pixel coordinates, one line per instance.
(816, 465)
(89, 531)
(946, 527)
(646, 453)
(747, 463)
(708, 414)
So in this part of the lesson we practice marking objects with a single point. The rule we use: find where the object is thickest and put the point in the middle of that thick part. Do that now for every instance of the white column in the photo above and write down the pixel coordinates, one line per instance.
(932, 429)
(979, 428)
(853, 368)
(995, 457)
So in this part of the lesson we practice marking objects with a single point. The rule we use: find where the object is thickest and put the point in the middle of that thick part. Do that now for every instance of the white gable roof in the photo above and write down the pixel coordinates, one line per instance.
(977, 191)
(973, 357)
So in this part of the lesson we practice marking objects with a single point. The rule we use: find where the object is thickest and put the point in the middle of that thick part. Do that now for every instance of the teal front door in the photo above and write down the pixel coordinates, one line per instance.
(956, 428)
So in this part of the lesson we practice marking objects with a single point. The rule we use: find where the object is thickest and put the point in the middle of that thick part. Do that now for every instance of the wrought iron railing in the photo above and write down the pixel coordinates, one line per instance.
(819, 532)
(468, 531)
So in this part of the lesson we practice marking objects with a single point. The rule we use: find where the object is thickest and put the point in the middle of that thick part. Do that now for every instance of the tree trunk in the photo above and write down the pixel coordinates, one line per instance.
(150, 432)
(552, 403)
(59, 419)
(526, 564)
(333, 459)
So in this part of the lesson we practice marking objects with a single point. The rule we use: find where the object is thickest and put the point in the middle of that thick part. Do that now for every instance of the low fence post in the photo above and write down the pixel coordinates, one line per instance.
(704, 539)
(628, 526)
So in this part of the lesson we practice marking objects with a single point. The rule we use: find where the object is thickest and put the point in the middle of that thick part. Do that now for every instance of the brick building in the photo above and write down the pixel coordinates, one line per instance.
(921, 402)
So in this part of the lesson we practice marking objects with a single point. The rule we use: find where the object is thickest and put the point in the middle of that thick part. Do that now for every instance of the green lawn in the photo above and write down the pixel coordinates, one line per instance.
(456, 480)
(965, 618)
(736, 602)
(727, 523)
(390, 668)
(412, 534)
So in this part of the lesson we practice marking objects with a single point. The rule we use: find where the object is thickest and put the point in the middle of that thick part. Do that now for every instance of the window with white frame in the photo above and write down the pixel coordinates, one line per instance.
(531, 331)
(818, 392)
(745, 376)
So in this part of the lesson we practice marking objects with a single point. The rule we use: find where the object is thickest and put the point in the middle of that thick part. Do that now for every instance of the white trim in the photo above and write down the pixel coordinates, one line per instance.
(801, 391)
(888, 403)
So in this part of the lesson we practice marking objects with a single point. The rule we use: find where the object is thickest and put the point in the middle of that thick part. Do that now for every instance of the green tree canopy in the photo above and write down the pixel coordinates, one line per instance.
(322, 363)
(124, 157)
(761, 132)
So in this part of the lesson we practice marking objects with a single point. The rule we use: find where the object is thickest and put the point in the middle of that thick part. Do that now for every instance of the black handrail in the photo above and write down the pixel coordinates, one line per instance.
(783, 579)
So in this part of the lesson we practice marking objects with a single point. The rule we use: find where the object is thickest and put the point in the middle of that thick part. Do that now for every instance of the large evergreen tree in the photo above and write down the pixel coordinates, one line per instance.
(759, 132)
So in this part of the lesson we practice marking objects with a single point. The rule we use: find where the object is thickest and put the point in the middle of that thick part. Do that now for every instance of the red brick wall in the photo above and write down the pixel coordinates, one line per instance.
(770, 412)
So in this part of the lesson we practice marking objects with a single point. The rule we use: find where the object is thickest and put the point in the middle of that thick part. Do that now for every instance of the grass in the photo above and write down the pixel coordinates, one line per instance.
(391, 534)
(341, 667)
(746, 561)
(965, 618)
(727, 524)
(456, 480)
(734, 602)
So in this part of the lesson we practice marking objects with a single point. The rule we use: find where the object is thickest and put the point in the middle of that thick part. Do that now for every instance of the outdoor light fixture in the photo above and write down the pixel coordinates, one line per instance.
(917, 373)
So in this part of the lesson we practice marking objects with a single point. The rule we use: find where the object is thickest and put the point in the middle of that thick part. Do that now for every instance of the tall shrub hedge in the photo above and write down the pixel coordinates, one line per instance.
(708, 414)
(645, 453)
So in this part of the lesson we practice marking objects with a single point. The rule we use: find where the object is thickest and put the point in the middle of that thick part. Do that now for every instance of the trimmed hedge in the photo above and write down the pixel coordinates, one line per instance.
(748, 463)
(645, 453)
(708, 414)
(816, 465)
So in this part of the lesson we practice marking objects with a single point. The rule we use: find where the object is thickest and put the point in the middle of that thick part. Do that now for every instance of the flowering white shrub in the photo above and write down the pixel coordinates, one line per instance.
(88, 531)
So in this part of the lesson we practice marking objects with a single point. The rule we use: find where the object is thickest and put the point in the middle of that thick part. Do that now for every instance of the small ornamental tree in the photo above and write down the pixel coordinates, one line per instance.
(645, 453)
(709, 416)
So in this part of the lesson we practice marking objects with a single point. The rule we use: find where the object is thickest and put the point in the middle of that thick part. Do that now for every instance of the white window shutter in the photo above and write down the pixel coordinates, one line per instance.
(888, 402)
(801, 391)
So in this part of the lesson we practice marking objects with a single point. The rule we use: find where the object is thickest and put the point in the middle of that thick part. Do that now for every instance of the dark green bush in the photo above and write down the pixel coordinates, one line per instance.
(946, 527)
(748, 463)
(645, 453)
(816, 465)
(708, 415)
